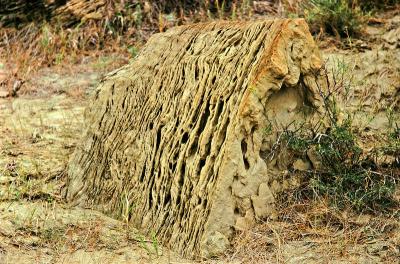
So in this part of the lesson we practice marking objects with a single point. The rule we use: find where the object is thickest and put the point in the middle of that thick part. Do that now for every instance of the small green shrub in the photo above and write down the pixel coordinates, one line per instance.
(347, 176)
(392, 146)
(335, 17)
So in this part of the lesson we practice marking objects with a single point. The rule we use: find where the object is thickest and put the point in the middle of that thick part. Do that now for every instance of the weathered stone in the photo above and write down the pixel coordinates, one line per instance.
(263, 203)
(315, 159)
(215, 244)
(393, 37)
(6, 228)
(175, 137)
(301, 165)
(245, 222)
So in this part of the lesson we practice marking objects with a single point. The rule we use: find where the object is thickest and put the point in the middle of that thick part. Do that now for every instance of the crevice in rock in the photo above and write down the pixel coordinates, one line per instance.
(185, 138)
(204, 119)
(243, 145)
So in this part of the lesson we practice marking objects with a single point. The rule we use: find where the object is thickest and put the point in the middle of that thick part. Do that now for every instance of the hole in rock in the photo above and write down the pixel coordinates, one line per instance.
(185, 138)
(158, 138)
(214, 79)
(202, 163)
(244, 151)
(244, 147)
(150, 198)
(205, 203)
(246, 163)
(236, 211)
(196, 74)
(220, 108)
(193, 147)
(204, 118)
(183, 170)
(172, 166)
(253, 129)
(167, 198)
(143, 173)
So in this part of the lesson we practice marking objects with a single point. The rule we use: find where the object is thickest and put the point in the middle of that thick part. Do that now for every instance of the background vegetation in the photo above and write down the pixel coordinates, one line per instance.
(46, 33)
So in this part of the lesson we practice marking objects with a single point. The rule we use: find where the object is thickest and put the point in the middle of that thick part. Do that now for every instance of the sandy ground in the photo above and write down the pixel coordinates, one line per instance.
(39, 129)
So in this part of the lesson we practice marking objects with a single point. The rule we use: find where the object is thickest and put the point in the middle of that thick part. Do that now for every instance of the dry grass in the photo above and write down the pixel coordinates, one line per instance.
(37, 47)
(314, 231)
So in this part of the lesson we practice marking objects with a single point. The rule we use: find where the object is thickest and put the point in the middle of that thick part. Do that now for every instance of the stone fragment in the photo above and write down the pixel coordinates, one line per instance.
(215, 244)
(314, 158)
(301, 165)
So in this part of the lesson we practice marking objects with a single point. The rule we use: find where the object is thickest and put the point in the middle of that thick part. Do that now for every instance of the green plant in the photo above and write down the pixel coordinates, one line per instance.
(346, 175)
(155, 251)
(45, 37)
(392, 146)
(335, 17)
(132, 51)
(138, 16)
(154, 242)
(220, 5)
(268, 129)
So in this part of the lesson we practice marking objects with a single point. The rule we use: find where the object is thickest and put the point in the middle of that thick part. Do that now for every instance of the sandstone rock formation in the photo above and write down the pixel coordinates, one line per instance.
(176, 141)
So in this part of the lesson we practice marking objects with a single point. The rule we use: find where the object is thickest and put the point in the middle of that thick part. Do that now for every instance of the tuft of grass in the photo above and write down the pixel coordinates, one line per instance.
(346, 178)
(154, 249)
(392, 146)
(335, 17)
(343, 172)
(133, 51)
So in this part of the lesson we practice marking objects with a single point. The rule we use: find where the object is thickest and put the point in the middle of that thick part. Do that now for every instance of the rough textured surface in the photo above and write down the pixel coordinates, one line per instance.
(177, 139)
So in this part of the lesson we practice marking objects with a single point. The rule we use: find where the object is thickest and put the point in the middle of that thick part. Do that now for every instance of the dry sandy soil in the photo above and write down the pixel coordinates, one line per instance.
(40, 127)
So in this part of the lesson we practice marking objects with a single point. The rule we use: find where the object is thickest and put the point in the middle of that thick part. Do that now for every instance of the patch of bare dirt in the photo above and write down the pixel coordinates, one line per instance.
(49, 232)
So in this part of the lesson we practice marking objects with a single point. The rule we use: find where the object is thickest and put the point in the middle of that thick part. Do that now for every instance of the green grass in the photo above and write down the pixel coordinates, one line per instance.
(335, 17)
(348, 177)
(344, 173)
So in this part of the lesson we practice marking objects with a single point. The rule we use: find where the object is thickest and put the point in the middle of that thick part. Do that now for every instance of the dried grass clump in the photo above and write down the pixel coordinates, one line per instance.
(38, 46)
(310, 230)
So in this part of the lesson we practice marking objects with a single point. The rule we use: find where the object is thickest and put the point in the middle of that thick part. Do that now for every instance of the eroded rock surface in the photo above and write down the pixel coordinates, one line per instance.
(176, 141)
